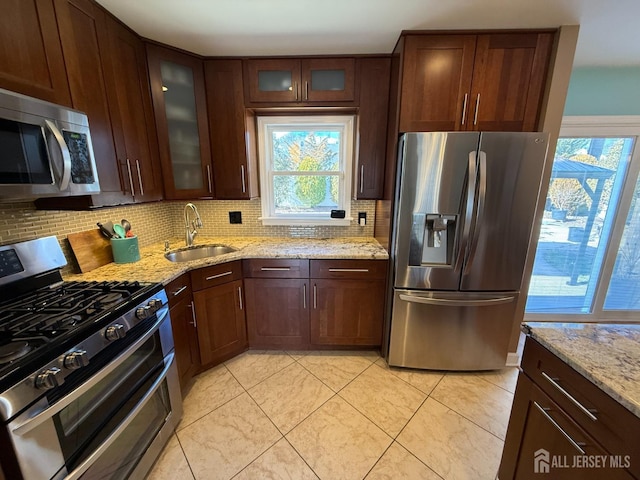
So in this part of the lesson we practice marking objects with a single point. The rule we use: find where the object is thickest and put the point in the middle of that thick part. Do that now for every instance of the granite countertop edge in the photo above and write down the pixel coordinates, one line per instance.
(587, 349)
(154, 267)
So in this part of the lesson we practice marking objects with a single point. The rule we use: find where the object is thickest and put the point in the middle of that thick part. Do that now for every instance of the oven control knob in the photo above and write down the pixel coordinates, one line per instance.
(143, 312)
(75, 360)
(114, 332)
(49, 378)
(155, 304)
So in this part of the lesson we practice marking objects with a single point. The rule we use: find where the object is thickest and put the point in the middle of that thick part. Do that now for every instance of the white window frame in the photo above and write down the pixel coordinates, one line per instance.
(609, 126)
(267, 124)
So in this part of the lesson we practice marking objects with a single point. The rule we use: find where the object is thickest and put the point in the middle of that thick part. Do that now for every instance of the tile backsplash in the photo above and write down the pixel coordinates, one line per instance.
(156, 222)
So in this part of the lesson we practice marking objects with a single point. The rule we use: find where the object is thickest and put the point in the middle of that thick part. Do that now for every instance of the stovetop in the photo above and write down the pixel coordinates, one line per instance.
(38, 325)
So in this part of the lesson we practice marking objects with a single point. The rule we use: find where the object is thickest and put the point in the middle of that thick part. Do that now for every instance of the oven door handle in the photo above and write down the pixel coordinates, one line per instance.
(95, 455)
(46, 414)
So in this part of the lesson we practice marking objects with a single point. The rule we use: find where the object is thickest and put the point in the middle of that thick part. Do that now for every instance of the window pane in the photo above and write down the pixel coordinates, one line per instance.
(585, 184)
(624, 288)
(308, 194)
(306, 151)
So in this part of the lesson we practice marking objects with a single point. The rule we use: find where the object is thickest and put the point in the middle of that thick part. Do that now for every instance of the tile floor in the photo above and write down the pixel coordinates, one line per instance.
(338, 415)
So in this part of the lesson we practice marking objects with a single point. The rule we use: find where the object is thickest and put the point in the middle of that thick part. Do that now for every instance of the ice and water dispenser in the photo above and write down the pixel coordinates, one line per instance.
(432, 240)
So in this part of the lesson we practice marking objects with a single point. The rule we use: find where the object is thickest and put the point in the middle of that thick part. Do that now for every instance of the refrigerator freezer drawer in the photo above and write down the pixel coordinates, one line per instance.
(451, 330)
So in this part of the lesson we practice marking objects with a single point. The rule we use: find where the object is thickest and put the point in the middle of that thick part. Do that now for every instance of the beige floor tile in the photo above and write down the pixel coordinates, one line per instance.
(449, 444)
(297, 354)
(423, 380)
(254, 366)
(398, 464)
(473, 397)
(505, 378)
(290, 395)
(337, 369)
(383, 398)
(226, 440)
(338, 442)
(210, 390)
(171, 464)
(280, 462)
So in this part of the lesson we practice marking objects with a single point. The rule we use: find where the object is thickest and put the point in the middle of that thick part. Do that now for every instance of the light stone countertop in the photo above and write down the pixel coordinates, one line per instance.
(606, 354)
(153, 267)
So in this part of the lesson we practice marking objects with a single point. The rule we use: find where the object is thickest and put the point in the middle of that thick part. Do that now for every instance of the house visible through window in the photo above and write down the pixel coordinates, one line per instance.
(305, 168)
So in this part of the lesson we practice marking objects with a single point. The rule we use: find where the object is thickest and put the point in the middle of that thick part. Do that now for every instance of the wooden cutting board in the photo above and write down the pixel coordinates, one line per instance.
(91, 249)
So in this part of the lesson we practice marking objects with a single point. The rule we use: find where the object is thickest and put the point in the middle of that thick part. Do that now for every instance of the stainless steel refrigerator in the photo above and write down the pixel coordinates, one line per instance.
(464, 211)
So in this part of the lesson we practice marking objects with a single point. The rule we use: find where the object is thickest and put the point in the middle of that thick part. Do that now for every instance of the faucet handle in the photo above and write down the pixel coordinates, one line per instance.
(166, 245)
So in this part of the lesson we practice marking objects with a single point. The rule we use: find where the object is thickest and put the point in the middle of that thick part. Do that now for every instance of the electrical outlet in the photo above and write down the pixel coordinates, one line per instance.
(362, 219)
(235, 217)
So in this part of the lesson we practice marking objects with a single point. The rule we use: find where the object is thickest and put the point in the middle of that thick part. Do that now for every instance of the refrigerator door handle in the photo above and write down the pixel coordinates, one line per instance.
(479, 213)
(468, 210)
(458, 303)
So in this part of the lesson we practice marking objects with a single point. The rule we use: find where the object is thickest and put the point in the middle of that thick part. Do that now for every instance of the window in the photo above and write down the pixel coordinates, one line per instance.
(305, 169)
(587, 261)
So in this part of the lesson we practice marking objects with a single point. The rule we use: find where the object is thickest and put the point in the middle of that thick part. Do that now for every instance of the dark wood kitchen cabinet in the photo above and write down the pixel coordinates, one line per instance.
(183, 325)
(219, 312)
(490, 82)
(347, 302)
(232, 132)
(277, 294)
(294, 80)
(557, 409)
(127, 82)
(31, 58)
(374, 76)
(180, 108)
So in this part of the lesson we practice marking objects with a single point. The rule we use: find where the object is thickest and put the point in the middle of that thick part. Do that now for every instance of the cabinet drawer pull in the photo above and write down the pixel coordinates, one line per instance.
(361, 270)
(295, 89)
(218, 275)
(240, 297)
(244, 185)
(315, 296)
(306, 90)
(179, 291)
(140, 177)
(575, 444)
(464, 108)
(193, 315)
(275, 269)
(130, 177)
(361, 178)
(209, 178)
(583, 409)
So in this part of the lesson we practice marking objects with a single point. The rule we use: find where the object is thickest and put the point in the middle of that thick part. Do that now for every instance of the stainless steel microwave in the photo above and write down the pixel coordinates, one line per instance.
(45, 150)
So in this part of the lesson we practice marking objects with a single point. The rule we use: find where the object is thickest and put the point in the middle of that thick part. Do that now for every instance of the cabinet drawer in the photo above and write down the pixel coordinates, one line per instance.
(215, 275)
(178, 290)
(364, 269)
(596, 412)
(275, 268)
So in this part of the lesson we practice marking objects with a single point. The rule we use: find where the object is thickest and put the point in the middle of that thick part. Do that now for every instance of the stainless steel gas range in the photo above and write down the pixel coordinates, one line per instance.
(88, 382)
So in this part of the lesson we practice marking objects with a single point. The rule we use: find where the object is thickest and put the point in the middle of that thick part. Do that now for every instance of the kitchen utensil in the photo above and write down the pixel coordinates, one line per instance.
(104, 230)
(125, 223)
(119, 229)
(91, 249)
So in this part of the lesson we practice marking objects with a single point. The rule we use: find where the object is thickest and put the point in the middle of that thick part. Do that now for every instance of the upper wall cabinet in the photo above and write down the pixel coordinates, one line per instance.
(31, 60)
(491, 81)
(180, 107)
(307, 80)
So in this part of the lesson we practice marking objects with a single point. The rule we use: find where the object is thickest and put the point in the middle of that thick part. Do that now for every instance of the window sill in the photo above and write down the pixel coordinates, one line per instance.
(336, 222)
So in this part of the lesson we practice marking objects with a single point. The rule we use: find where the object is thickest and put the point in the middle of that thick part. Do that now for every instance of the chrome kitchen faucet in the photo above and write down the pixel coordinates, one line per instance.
(191, 225)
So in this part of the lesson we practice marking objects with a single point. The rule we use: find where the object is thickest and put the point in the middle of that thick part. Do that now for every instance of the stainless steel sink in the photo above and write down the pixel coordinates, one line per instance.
(198, 252)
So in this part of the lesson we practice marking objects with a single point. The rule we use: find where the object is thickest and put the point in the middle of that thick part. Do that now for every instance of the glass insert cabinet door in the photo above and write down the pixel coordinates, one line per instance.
(301, 80)
(182, 125)
(588, 255)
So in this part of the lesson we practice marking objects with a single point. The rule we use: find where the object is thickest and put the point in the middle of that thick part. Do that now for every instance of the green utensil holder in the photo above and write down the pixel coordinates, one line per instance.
(125, 250)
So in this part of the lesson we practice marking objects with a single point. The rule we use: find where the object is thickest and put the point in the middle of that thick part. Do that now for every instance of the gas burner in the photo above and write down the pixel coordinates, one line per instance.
(110, 298)
(11, 351)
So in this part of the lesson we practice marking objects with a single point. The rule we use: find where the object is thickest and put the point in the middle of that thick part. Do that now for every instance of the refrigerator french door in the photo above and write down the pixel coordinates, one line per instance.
(465, 207)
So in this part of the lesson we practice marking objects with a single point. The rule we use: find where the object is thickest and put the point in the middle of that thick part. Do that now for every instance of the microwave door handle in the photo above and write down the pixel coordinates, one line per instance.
(469, 202)
(479, 214)
(64, 150)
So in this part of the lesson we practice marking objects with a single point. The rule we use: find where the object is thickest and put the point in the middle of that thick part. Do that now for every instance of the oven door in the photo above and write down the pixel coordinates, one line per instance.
(112, 424)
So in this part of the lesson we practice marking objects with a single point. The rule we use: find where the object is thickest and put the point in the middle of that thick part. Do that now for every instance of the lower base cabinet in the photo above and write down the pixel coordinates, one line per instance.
(219, 312)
